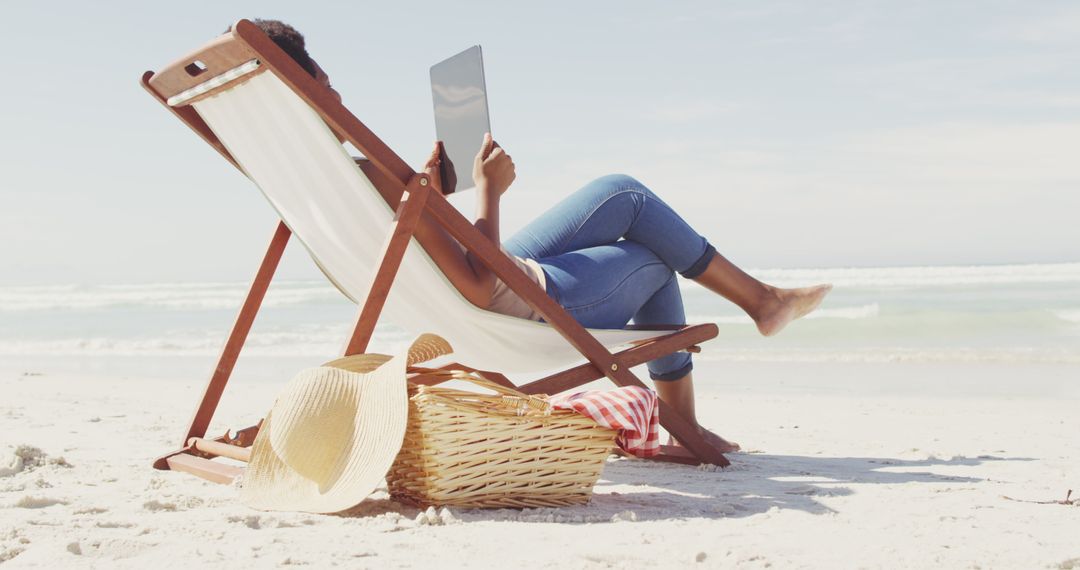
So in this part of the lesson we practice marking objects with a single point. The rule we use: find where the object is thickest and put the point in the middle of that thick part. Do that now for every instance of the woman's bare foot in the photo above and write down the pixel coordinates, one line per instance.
(722, 445)
(786, 305)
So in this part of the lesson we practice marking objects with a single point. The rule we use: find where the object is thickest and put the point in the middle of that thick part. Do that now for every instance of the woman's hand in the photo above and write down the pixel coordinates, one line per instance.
(433, 169)
(493, 169)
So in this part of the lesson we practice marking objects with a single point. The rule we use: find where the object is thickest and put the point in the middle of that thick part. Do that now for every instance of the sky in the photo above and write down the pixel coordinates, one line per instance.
(791, 134)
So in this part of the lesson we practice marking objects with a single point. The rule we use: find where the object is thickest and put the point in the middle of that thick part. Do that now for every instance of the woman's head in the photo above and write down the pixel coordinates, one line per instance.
(292, 42)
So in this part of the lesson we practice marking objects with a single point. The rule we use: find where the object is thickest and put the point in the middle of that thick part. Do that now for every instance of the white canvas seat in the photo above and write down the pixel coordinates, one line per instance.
(284, 146)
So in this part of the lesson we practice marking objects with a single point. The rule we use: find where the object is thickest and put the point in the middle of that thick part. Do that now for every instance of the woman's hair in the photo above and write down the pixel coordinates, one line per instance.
(289, 40)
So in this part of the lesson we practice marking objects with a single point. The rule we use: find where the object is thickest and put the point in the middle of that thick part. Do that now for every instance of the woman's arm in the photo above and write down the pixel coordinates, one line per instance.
(493, 172)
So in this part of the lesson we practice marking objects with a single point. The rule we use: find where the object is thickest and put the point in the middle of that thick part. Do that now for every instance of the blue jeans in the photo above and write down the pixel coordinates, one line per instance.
(610, 253)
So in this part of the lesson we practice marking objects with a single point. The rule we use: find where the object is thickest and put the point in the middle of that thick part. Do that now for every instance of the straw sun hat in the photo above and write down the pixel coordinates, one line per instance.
(334, 432)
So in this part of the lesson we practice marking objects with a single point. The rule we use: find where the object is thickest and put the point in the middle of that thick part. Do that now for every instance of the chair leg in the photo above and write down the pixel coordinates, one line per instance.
(209, 470)
(195, 456)
(211, 397)
(676, 454)
(689, 436)
(200, 421)
(406, 219)
(679, 427)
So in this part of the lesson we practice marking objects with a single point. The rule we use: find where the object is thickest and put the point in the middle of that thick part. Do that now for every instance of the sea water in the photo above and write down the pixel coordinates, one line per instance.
(1001, 313)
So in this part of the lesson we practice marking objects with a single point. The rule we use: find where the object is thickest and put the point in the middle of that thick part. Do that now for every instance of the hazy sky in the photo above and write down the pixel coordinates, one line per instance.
(792, 134)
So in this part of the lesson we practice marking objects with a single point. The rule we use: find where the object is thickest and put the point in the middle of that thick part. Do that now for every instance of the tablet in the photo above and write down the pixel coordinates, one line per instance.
(461, 115)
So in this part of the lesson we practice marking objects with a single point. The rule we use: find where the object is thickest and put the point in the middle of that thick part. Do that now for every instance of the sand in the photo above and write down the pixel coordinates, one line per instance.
(847, 466)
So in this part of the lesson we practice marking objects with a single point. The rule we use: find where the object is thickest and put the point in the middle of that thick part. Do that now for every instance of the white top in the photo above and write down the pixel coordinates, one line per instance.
(505, 302)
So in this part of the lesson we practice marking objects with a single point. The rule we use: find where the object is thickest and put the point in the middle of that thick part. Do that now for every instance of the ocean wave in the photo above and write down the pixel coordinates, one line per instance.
(310, 340)
(928, 276)
(221, 295)
(1070, 316)
(172, 296)
(327, 344)
(861, 312)
(899, 354)
(868, 311)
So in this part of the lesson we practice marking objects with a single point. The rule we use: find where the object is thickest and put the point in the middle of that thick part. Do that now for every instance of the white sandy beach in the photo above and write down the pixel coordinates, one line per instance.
(847, 466)
(915, 155)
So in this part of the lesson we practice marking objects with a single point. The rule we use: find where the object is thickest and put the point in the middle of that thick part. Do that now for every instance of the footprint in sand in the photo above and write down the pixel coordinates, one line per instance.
(113, 549)
(113, 524)
(158, 506)
(252, 521)
(9, 553)
(16, 488)
(32, 502)
(182, 504)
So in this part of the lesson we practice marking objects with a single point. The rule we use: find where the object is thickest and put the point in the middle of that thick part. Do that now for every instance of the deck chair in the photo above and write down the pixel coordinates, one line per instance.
(268, 117)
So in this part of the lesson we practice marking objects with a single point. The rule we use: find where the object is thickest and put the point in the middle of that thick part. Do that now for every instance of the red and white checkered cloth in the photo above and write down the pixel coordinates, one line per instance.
(631, 410)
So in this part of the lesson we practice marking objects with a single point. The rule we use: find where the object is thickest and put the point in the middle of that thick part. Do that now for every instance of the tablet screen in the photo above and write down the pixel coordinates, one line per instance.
(461, 114)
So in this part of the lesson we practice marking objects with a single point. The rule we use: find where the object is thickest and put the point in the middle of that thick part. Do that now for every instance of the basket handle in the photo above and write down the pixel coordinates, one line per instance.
(513, 398)
(429, 346)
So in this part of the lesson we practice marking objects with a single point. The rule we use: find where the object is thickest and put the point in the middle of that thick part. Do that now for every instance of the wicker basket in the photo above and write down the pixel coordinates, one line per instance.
(505, 450)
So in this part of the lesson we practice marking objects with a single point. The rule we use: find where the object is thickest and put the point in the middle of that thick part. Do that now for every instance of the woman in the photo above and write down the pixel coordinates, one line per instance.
(608, 254)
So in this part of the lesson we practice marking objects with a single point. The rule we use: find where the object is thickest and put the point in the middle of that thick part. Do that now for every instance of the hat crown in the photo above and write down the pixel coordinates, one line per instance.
(316, 441)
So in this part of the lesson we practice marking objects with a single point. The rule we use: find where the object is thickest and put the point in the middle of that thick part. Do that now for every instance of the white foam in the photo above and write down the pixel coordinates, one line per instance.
(1070, 315)
(174, 296)
(211, 296)
(868, 311)
(898, 354)
(306, 340)
(720, 319)
(907, 277)
(861, 312)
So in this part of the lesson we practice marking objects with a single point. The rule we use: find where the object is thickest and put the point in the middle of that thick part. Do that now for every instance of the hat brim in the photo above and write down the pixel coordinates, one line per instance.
(330, 438)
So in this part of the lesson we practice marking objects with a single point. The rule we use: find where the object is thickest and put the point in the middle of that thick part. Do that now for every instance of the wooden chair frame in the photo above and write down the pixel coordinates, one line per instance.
(412, 195)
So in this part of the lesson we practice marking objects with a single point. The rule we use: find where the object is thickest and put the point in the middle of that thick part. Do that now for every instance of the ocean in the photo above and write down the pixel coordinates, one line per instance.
(999, 313)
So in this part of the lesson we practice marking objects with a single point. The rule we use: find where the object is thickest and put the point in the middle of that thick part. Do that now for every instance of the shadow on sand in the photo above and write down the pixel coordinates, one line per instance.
(757, 483)
(754, 484)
